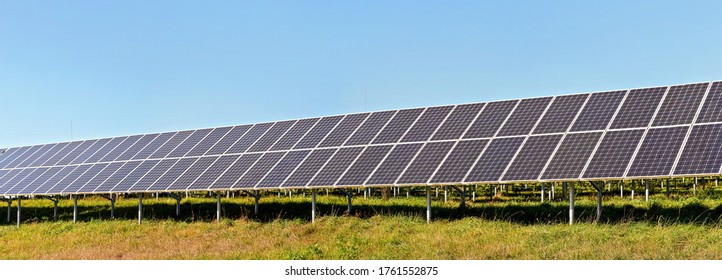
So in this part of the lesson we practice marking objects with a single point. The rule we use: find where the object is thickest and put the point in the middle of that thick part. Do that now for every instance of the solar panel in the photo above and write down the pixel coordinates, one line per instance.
(17, 154)
(308, 168)
(427, 124)
(702, 153)
(336, 166)
(423, 166)
(368, 130)
(153, 146)
(100, 177)
(490, 119)
(102, 152)
(229, 139)
(235, 171)
(211, 139)
(490, 166)
(213, 172)
(458, 121)
(531, 159)
(137, 146)
(459, 161)
(152, 175)
(67, 180)
(121, 148)
(572, 155)
(274, 133)
(638, 108)
(48, 184)
(172, 174)
(395, 163)
(113, 180)
(83, 179)
(344, 129)
(192, 174)
(171, 144)
(397, 126)
(363, 167)
(33, 173)
(27, 153)
(680, 105)
(525, 116)
(187, 145)
(613, 154)
(75, 153)
(259, 169)
(561, 113)
(93, 149)
(7, 180)
(280, 172)
(658, 152)
(6, 154)
(318, 132)
(65, 148)
(294, 134)
(39, 152)
(128, 181)
(598, 111)
(710, 111)
(52, 171)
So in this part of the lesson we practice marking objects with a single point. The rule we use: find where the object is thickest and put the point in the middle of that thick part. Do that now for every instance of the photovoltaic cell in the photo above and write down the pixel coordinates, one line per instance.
(702, 153)
(318, 132)
(102, 152)
(7, 188)
(336, 166)
(680, 105)
(227, 141)
(343, 130)
(212, 173)
(59, 152)
(93, 149)
(458, 121)
(280, 172)
(571, 157)
(532, 158)
(9, 153)
(398, 126)
(84, 178)
(122, 147)
(494, 160)
(134, 176)
(259, 169)
(21, 184)
(309, 167)
(274, 133)
(490, 119)
(249, 138)
(119, 175)
(525, 116)
(45, 186)
(368, 130)
(192, 173)
(425, 163)
(710, 110)
(28, 153)
(153, 175)
(658, 152)
(17, 154)
(392, 167)
(154, 145)
(100, 177)
(294, 134)
(184, 147)
(427, 124)
(613, 154)
(30, 188)
(235, 171)
(205, 145)
(82, 147)
(364, 166)
(171, 144)
(598, 111)
(459, 162)
(561, 113)
(39, 152)
(639, 107)
(137, 146)
(172, 174)
(9, 176)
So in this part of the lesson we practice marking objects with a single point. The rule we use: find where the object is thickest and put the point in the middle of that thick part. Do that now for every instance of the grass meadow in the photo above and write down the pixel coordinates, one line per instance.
(509, 225)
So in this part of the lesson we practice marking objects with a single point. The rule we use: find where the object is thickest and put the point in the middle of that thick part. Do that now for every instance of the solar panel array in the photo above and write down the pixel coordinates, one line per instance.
(639, 133)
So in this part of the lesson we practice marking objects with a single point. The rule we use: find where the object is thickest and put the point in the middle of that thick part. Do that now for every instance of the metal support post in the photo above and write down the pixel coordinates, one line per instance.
(571, 203)
(621, 189)
(218, 207)
(428, 204)
(542, 193)
(10, 202)
(694, 186)
(20, 206)
(55, 200)
(256, 196)
(349, 196)
(110, 197)
(667, 187)
(75, 208)
(552, 191)
(564, 189)
(446, 191)
(313, 205)
(140, 208)
(646, 190)
(407, 192)
(599, 200)
(177, 203)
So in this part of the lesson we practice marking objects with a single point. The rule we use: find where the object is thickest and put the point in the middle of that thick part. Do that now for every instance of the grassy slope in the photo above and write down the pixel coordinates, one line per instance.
(677, 228)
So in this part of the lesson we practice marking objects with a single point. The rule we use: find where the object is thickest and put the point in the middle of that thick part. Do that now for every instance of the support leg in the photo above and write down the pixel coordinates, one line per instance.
(667, 187)
(463, 196)
(646, 190)
(446, 194)
(20, 206)
(571, 204)
(313, 205)
(55, 209)
(140, 208)
(75, 208)
(694, 186)
(218, 207)
(10, 203)
(428, 204)
(599, 201)
(542, 193)
(256, 197)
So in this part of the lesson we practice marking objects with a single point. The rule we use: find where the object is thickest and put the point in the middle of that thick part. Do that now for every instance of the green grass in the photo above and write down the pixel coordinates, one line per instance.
(512, 226)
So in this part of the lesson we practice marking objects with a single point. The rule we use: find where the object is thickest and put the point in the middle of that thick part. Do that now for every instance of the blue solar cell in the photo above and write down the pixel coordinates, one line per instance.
(391, 168)
(66, 148)
(154, 145)
(571, 157)
(458, 121)
(171, 144)
(249, 138)
(294, 134)
(710, 111)
(496, 157)
(525, 116)
(83, 179)
(613, 154)
(31, 158)
(103, 175)
(427, 124)
(681, 104)
(93, 149)
(28, 153)
(235, 171)
(172, 174)
(370, 128)
(658, 152)
(17, 189)
(256, 173)
(184, 147)
(343, 130)
(192, 173)
(214, 172)
(152, 175)
(362, 168)
(33, 186)
(425, 163)
(459, 162)
(113, 180)
(274, 134)
(280, 172)
(638, 108)
(561, 113)
(139, 145)
(55, 179)
(17, 153)
(121, 148)
(134, 176)
(531, 159)
(702, 154)
(336, 166)
(75, 153)
(397, 127)
(107, 148)
(490, 119)
(598, 111)
(229, 139)
(205, 145)
(7, 188)
(308, 168)
(318, 132)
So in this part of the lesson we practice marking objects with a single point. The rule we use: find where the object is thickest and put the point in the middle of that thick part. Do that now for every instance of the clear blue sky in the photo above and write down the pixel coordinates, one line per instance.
(130, 67)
